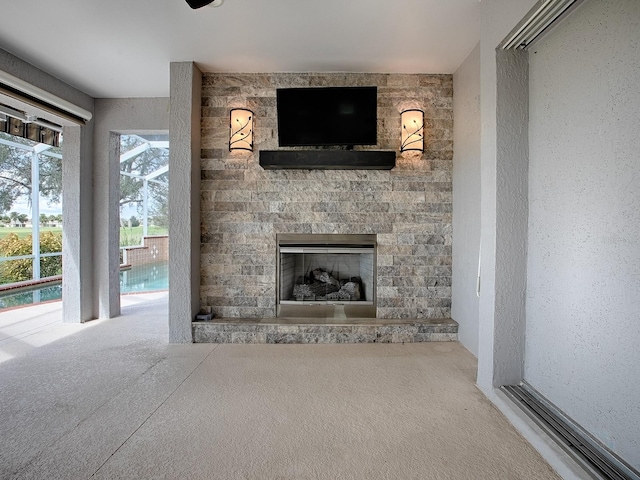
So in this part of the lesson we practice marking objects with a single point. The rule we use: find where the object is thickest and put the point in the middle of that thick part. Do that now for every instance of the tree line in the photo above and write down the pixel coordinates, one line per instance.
(15, 181)
(15, 217)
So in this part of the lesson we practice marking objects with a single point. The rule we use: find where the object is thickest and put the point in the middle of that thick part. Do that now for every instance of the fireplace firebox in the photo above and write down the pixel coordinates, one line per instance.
(326, 275)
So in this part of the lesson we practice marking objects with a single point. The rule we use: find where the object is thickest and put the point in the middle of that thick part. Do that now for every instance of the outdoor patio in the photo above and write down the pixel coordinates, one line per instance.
(111, 399)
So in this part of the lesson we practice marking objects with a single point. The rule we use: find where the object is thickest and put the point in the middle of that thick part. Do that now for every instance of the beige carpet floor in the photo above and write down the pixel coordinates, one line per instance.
(111, 399)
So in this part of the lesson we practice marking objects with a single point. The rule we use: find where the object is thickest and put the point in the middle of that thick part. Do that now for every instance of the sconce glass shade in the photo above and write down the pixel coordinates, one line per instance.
(412, 130)
(241, 134)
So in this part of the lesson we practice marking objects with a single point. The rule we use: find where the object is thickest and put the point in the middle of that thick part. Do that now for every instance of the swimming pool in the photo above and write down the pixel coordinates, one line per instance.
(145, 278)
(32, 295)
(137, 279)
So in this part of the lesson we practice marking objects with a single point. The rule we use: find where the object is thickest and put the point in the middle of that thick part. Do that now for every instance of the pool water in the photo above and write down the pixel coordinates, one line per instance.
(36, 295)
(138, 279)
(145, 278)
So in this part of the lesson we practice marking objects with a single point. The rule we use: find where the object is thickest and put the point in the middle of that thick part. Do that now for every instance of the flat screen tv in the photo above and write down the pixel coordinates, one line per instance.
(327, 116)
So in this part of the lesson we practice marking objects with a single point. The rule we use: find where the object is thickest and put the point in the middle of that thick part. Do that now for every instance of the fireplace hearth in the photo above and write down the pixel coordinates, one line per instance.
(326, 276)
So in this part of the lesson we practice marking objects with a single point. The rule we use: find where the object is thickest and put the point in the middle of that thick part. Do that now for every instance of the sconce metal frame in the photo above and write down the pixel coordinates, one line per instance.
(412, 134)
(241, 134)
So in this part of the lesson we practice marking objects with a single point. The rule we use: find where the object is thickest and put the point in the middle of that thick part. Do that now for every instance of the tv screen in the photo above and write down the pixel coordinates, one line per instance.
(327, 116)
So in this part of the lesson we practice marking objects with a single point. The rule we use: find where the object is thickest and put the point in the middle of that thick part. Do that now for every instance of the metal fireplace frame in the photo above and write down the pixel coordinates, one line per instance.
(329, 309)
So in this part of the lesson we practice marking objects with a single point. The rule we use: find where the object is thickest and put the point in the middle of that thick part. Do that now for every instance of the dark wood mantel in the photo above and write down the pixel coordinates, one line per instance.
(328, 159)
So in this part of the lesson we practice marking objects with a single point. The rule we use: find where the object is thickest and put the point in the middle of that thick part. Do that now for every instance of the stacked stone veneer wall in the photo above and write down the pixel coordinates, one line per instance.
(244, 206)
(154, 250)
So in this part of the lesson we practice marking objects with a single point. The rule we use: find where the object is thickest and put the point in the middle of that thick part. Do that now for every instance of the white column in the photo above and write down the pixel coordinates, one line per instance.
(145, 208)
(184, 200)
(35, 213)
(77, 225)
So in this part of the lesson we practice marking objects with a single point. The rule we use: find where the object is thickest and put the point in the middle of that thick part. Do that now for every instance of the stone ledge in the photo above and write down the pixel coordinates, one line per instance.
(303, 331)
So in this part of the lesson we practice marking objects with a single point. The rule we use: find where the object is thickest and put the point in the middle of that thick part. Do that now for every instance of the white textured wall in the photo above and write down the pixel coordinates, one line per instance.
(500, 336)
(27, 72)
(466, 199)
(583, 334)
(112, 117)
(77, 199)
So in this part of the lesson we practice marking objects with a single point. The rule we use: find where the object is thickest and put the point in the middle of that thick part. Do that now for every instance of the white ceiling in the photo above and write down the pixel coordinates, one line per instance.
(122, 48)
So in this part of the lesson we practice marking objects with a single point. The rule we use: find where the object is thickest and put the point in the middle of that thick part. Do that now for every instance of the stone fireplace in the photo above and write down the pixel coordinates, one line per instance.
(245, 209)
(326, 276)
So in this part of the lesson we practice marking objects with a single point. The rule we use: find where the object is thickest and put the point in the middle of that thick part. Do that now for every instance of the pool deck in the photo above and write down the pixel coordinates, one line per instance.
(112, 399)
(27, 327)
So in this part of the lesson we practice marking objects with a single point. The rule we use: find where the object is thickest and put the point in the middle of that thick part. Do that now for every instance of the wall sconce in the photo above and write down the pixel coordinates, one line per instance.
(241, 124)
(412, 130)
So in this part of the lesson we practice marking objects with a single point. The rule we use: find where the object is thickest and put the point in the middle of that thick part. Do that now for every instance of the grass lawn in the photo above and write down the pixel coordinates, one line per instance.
(133, 236)
(25, 232)
(128, 236)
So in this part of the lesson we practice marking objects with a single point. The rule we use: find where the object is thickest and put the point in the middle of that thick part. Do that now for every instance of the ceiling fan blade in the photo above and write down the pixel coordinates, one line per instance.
(198, 3)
